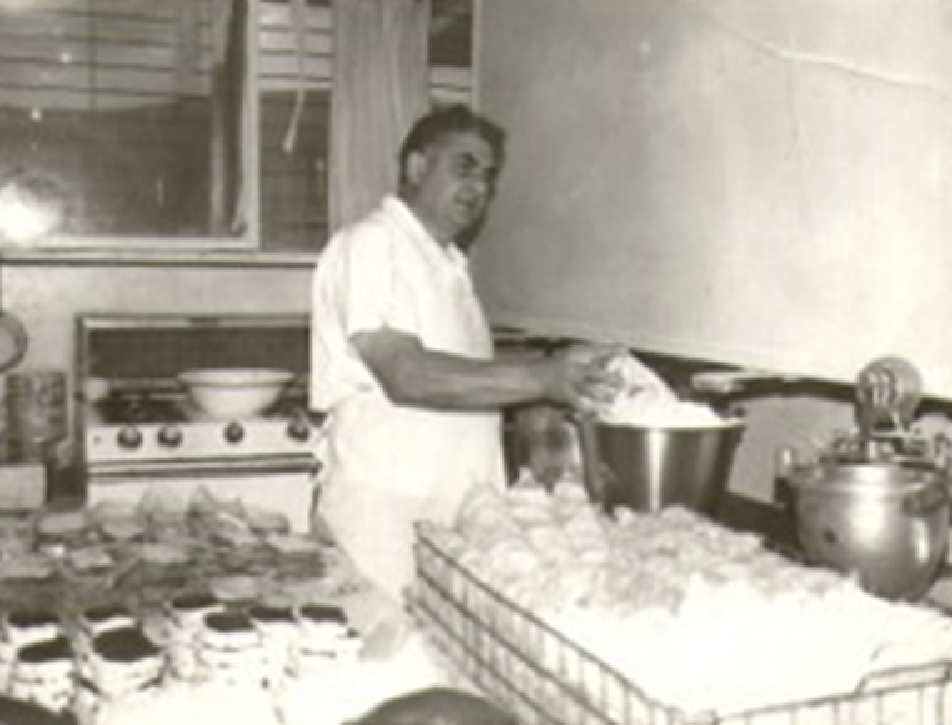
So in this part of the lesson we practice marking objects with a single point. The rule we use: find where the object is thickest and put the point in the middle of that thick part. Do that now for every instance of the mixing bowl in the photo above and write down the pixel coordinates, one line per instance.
(648, 468)
(234, 392)
(886, 524)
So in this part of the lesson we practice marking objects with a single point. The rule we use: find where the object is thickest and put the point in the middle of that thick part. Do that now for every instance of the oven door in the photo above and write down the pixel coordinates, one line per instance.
(286, 485)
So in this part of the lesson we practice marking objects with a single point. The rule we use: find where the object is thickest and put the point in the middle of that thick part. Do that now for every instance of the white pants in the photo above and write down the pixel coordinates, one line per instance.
(376, 530)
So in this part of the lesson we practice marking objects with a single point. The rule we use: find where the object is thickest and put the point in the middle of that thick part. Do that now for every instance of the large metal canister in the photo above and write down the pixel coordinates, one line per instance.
(36, 405)
(886, 523)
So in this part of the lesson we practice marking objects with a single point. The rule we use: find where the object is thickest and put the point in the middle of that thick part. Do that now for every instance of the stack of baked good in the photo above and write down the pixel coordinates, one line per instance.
(230, 651)
(27, 566)
(277, 630)
(324, 641)
(122, 662)
(20, 628)
(184, 622)
(43, 674)
(59, 531)
(91, 622)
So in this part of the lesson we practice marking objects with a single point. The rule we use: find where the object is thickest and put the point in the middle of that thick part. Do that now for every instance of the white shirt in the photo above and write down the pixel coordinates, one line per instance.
(389, 465)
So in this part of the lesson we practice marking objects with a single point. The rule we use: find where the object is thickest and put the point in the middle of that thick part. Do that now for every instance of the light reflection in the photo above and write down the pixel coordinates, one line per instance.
(32, 207)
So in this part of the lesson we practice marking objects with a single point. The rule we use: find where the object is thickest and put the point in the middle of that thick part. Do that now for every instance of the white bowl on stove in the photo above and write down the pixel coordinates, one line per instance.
(234, 392)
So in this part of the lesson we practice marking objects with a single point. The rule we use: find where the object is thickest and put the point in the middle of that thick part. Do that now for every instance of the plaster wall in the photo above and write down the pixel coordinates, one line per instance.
(47, 298)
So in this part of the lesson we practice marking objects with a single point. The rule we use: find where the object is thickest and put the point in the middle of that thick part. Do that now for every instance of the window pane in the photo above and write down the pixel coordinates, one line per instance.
(130, 110)
(294, 110)
(294, 152)
(451, 34)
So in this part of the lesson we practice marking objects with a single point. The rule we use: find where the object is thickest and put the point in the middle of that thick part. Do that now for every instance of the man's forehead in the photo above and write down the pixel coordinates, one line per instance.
(467, 143)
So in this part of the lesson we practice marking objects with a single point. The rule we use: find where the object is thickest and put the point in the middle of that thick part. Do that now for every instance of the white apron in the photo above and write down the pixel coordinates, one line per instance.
(389, 466)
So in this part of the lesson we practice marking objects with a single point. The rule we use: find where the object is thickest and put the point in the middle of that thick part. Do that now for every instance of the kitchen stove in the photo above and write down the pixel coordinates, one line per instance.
(136, 427)
(139, 428)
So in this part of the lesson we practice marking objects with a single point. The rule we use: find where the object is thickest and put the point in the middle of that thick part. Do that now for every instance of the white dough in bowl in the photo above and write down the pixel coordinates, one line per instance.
(646, 401)
(673, 414)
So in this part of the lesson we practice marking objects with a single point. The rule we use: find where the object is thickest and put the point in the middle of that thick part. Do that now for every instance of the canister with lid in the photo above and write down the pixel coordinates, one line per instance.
(36, 413)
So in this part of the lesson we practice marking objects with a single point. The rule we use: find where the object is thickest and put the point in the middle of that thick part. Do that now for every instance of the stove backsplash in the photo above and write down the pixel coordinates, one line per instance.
(142, 348)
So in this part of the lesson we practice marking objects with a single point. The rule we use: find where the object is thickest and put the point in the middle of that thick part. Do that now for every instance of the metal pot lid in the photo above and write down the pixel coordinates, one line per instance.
(870, 477)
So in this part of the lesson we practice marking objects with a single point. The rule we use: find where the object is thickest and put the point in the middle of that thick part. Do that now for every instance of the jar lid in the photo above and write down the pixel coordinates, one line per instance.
(125, 644)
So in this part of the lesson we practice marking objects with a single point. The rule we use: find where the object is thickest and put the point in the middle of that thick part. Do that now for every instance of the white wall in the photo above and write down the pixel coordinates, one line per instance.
(47, 298)
(759, 183)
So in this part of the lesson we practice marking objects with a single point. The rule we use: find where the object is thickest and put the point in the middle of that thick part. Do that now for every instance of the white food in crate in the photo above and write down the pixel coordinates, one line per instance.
(697, 616)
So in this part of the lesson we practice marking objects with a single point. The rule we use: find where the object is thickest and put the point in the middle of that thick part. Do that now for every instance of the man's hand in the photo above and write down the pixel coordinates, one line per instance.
(580, 376)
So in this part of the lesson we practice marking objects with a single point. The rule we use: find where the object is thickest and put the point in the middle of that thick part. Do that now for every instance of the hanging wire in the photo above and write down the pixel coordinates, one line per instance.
(93, 63)
(298, 20)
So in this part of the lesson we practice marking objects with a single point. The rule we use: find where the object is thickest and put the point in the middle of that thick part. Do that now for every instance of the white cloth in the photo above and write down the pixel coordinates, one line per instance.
(389, 465)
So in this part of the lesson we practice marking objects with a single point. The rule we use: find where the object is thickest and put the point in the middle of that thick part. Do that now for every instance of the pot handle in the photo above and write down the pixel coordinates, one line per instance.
(924, 502)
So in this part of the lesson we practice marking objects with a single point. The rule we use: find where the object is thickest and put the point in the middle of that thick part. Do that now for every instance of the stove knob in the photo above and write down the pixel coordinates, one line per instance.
(234, 432)
(170, 436)
(299, 430)
(130, 437)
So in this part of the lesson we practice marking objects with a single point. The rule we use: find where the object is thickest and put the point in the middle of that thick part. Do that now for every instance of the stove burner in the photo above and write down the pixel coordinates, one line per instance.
(137, 407)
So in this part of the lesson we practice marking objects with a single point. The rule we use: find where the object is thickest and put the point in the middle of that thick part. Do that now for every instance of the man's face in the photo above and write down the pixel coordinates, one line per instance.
(452, 183)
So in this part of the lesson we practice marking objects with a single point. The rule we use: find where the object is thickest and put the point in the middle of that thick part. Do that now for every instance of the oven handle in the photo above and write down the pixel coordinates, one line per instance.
(214, 468)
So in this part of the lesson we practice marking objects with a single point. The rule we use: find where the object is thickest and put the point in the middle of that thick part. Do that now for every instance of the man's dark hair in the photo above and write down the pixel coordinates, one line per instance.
(438, 124)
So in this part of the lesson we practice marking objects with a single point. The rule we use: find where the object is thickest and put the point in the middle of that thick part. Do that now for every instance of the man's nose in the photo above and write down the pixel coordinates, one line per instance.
(480, 186)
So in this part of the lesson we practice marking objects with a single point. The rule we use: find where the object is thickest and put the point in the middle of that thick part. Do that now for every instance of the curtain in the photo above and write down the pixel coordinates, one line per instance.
(380, 88)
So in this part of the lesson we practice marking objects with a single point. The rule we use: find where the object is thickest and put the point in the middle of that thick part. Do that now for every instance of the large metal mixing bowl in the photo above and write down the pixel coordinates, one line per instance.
(887, 524)
(649, 468)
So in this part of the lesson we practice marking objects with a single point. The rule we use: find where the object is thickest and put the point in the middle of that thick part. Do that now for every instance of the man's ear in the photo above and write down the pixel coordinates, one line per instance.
(416, 166)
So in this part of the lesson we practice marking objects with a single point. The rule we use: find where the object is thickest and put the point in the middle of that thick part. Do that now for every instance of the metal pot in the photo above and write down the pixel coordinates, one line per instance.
(649, 468)
(887, 523)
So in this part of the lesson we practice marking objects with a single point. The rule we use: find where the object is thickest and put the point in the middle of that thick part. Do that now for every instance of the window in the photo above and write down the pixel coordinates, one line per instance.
(180, 124)
(128, 111)
(294, 158)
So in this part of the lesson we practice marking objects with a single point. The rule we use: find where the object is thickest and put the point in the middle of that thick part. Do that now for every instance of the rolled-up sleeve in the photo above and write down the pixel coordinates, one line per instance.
(356, 288)
(370, 295)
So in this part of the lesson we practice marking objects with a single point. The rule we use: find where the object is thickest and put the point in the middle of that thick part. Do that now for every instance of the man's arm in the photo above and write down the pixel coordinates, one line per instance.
(412, 374)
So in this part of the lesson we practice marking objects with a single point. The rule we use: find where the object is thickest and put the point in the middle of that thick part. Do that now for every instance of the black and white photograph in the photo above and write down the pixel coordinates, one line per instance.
(475, 362)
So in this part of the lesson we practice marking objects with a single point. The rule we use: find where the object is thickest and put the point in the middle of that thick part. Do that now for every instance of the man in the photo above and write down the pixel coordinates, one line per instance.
(402, 357)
